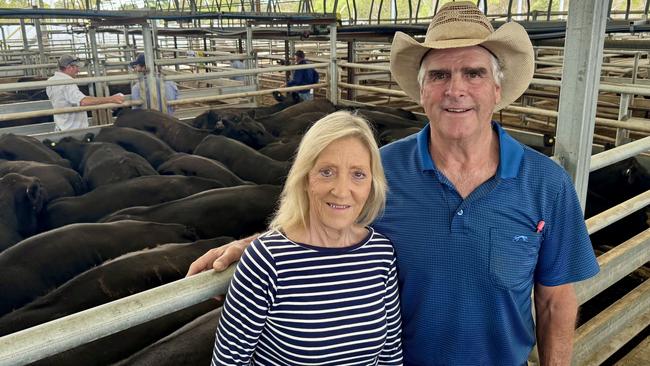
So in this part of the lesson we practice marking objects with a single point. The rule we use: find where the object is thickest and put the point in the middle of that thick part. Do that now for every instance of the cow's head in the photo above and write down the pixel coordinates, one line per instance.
(21, 201)
(248, 131)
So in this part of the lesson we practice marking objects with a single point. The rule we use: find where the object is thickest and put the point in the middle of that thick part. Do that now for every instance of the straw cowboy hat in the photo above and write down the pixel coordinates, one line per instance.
(462, 24)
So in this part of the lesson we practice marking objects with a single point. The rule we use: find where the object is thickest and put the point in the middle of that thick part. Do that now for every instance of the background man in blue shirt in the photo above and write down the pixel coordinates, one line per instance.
(171, 89)
(303, 77)
(478, 220)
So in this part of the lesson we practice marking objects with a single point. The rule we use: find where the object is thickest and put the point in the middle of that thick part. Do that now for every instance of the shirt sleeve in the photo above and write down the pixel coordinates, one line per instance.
(73, 95)
(171, 90)
(391, 353)
(565, 254)
(245, 311)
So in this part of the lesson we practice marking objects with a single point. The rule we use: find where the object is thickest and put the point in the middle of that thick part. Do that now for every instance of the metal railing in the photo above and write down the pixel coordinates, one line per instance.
(50, 338)
(61, 334)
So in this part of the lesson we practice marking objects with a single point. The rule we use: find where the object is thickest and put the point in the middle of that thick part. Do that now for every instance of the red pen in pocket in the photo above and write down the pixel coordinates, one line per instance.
(540, 226)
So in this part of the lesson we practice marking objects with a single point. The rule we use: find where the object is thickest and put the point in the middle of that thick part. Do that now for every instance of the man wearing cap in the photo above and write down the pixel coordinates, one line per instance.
(171, 89)
(303, 77)
(478, 220)
(64, 96)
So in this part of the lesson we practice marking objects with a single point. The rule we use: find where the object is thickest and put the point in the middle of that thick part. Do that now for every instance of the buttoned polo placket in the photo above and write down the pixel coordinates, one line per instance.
(460, 209)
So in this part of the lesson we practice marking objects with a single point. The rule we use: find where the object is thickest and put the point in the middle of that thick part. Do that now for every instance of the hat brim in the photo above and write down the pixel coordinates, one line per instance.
(510, 44)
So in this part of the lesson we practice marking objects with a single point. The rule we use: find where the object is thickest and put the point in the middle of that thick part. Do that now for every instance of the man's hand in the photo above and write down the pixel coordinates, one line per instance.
(220, 258)
(117, 98)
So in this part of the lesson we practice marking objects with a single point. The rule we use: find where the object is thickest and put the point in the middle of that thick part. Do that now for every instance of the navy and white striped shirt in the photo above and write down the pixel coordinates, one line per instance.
(297, 304)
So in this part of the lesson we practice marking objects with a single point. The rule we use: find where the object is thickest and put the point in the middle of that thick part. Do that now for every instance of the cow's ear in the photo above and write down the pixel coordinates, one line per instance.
(36, 195)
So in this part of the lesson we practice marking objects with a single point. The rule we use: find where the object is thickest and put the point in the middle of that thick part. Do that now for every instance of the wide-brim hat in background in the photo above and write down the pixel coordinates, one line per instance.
(462, 24)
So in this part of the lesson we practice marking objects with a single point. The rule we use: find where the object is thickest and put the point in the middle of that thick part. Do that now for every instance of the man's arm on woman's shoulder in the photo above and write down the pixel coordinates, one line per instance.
(221, 258)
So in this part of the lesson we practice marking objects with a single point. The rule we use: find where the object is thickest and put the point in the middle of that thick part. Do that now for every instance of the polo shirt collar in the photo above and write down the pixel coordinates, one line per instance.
(511, 152)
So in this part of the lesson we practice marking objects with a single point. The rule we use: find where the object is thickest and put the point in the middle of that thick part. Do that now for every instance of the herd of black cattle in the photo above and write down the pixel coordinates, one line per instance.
(86, 222)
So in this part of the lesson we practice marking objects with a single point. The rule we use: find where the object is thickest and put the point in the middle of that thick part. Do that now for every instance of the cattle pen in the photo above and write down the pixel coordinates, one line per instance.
(587, 107)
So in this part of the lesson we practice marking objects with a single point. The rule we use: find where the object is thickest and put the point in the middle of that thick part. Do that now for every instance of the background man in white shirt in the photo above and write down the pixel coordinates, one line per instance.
(69, 95)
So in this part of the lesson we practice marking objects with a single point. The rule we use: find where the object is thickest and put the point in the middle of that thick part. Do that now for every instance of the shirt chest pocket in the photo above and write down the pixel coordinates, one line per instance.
(513, 256)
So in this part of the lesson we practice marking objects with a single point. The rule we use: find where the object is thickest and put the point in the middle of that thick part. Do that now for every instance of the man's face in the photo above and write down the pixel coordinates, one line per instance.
(72, 70)
(459, 92)
(140, 68)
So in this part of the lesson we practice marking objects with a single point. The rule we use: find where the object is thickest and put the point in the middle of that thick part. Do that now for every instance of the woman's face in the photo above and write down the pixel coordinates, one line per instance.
(339, 184)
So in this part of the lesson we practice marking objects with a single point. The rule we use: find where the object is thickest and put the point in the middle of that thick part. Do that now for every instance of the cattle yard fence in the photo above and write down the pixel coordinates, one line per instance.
(595, 340)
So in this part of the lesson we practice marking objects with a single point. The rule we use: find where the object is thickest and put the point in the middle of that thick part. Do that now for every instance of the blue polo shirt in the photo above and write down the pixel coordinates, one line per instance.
(467, 267)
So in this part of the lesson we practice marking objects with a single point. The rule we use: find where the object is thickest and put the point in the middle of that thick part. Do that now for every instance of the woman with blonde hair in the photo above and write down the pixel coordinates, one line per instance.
(320, 287)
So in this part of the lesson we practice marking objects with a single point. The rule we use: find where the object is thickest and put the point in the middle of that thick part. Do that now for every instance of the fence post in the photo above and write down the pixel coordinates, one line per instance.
(333, 67)
(579, 91)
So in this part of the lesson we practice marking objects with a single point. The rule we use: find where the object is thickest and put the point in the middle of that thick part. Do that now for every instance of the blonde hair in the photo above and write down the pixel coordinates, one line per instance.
(293, 211)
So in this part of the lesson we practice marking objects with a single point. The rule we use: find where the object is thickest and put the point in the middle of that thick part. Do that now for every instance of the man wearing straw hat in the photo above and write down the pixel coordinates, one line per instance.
(64, 96)
(478, 220)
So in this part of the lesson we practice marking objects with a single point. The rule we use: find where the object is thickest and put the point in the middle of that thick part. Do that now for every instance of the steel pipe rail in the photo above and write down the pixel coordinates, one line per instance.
(617, 212)
(619, 153)
(616, 264)
(397, 93)
(214, 75)
(603, 122)
(626, 89)
(196, 60)
(608, 331)
(49, 112)
(47, 339)
(79, 81)
(244, 94)
(27, 67)
(603, 87)
(180, 60)
(365, 66)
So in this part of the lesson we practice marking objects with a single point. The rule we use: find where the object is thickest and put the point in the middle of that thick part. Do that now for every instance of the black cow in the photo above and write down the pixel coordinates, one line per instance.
(397, 112)
(199, 166)
(390, 135)
(140, 142)
(282, 150)
(209, 120)
(102, 163)
(124, 276)
(232, 211)
(296, 125)
(190, 345)
(21, 200)
(242, 160)
(610, 186)
(274, 123)
(178, 135)
(385, 121)
(15, 147)
(141, 191)
(246, 130)
(35, 266)
(56, 180)
(212, 119)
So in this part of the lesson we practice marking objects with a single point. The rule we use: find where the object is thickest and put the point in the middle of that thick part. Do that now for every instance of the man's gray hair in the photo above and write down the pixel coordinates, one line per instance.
(497, 71)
